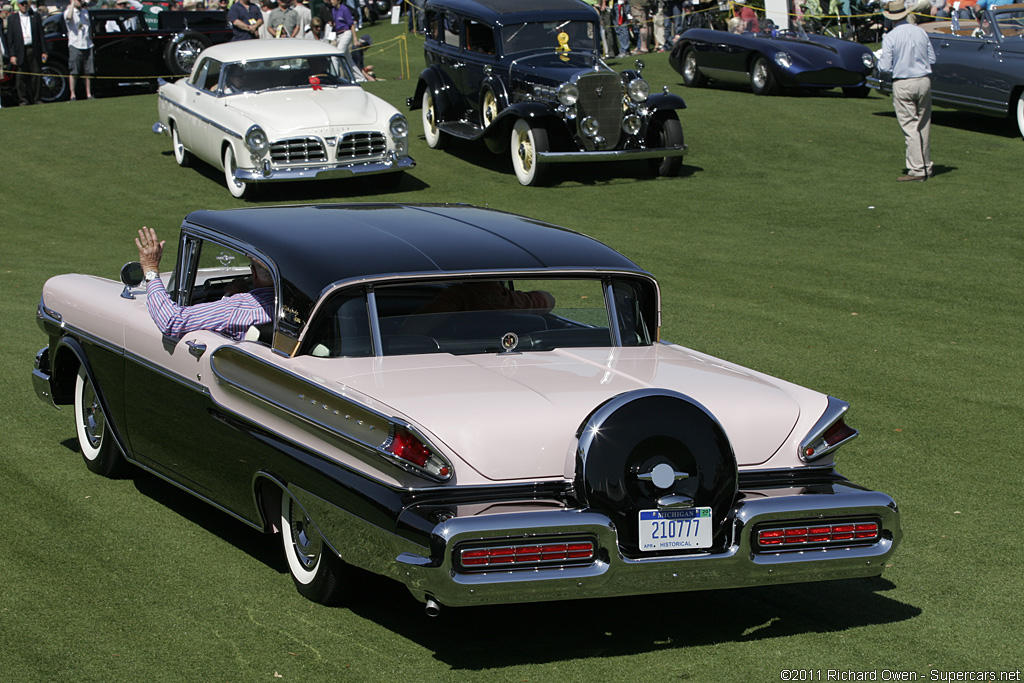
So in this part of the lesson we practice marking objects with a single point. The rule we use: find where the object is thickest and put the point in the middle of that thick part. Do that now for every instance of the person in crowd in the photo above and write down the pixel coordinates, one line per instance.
(26, 52)
(4, 12)
(747, 16)
(233, 315)
(80, 47)
(344, 24)
(907, 54)
(284, 21)
(673, 21)
(619, 16)
(245, 19)
(305, 16)
(266, 7)
(640, 11)
(415, 17)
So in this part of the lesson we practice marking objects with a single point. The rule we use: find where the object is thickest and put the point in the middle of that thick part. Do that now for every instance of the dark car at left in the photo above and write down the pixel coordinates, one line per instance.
(130, 55)
(526, 77)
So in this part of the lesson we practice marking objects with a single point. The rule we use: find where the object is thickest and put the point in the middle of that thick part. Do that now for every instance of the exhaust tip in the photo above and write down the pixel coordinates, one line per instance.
(432, 608)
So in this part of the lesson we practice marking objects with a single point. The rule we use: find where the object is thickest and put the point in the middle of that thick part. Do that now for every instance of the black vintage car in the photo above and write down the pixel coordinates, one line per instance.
(526, 76)
(129, 53)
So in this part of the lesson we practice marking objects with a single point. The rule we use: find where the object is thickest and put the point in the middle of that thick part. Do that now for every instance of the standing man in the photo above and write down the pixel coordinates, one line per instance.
(245, 19)
(344, 27)
(284, 21)
(908, 55)
(26, 52)
(80, 52)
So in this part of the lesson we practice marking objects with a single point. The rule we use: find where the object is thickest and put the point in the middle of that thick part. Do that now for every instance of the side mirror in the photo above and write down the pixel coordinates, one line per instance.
(131, 276)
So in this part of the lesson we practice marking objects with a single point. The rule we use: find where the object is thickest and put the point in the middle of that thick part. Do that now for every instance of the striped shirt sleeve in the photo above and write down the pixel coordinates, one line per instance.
(232, 315)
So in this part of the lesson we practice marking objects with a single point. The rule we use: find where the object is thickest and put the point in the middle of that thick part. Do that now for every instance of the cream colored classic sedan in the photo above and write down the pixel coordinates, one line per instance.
(475, 404)
(275, 110)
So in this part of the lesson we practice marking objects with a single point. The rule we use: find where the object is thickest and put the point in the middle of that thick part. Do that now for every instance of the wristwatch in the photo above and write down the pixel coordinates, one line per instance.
(151, 275)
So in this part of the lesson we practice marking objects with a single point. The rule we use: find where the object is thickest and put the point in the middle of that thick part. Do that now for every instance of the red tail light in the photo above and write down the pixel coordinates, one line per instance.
(408, 447)
(803, 535)
(527, 555)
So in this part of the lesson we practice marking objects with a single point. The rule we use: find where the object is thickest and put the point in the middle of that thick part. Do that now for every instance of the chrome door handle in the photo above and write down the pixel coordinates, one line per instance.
(195, 348)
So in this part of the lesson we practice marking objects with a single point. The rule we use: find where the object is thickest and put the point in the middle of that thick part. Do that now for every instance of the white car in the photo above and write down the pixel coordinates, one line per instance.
(276, 110)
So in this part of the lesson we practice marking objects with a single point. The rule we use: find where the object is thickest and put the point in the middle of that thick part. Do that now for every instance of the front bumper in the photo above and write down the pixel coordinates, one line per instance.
(740, 564)
(391, 163)
(41, 376)
(610, 155)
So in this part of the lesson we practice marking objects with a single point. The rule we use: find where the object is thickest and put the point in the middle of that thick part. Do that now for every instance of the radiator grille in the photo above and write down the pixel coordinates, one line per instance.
(298, 151)
(369, 144)
(601, 97)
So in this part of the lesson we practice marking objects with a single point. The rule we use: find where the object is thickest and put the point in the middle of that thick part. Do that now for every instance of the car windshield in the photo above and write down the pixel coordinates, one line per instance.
(482, 316)
(563, 36)
(293, 72)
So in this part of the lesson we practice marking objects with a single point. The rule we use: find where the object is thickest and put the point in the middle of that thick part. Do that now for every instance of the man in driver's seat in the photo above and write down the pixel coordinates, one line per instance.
(233, 315)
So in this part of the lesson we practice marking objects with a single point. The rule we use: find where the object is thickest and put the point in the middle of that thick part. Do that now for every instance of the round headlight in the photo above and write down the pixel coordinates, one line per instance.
(631, 124)
(639, 90)
(868, 59)
(589, 127)
(783, 59)
(256, 140)
(568, 93)
(399, 126)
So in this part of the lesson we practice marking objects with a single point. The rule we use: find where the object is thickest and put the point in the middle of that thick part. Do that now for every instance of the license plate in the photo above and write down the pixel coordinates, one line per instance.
(675, 529)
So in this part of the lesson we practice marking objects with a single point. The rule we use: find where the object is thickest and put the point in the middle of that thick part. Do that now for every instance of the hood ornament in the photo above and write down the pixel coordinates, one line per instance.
(509, 341)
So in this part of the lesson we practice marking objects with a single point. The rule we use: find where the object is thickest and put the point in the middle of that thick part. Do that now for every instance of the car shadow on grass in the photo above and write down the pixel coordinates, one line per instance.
(600, 627)
(475, 153)
(466, 638)
(991, 126)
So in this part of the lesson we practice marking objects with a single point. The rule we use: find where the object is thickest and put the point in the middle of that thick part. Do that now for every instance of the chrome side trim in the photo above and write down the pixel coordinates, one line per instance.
(333, 416)
(204, 119)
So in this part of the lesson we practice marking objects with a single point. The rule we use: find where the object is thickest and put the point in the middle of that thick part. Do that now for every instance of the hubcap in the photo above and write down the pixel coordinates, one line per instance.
(92, 416)
(305, 539)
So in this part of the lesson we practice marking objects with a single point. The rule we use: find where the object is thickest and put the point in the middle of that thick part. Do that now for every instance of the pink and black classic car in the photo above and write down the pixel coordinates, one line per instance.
(475, 404)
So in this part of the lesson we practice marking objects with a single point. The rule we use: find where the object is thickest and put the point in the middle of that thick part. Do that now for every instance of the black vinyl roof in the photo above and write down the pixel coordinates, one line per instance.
(314, 246)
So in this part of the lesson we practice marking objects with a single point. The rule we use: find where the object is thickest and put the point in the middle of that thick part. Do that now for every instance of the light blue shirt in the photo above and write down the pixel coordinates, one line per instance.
(906, 52)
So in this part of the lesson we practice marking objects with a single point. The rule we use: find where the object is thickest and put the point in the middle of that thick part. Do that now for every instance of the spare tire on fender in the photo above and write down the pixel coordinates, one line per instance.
(181, 52)
(621, 446)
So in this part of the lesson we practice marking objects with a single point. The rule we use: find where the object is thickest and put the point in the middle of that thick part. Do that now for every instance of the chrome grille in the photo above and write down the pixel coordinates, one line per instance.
(298, 151)
(368, 144)
(601, 97)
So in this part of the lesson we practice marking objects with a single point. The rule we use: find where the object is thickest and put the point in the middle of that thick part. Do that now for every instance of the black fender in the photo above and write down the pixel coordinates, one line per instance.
(432, 78)
(67, 356)
(497, 86)
(627, 438)
(663, 101)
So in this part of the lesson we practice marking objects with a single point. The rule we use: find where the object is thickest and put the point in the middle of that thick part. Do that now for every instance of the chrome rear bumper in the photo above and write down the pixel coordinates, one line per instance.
(438, 577)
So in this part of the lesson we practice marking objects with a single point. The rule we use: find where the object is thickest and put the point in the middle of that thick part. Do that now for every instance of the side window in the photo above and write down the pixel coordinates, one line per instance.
(435, 25)
(452, 30)
(212, 76)
(200, 75)
(479, 38)
(342, 328)
(213, 272)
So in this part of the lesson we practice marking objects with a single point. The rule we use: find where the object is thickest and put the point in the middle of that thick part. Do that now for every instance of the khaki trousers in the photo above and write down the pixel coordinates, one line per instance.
(912, 100)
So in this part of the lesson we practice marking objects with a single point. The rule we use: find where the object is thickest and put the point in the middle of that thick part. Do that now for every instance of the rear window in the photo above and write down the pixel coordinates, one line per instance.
(481, 316)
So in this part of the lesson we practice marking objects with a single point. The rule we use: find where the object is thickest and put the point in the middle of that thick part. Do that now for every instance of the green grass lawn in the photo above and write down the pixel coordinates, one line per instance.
(786, 245)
